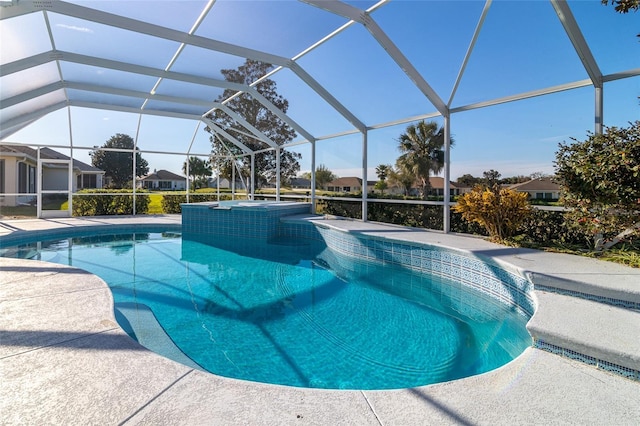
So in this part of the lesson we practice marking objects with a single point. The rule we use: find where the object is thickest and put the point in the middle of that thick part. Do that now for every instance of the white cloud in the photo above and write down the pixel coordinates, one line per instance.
(75, 28)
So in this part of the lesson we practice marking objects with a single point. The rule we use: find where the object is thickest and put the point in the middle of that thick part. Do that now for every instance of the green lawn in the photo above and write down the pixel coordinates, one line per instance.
(155, 204)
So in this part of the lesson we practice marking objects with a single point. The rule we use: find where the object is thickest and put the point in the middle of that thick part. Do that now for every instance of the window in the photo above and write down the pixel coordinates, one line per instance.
(32, 180)
(26, 179)
(89, 181)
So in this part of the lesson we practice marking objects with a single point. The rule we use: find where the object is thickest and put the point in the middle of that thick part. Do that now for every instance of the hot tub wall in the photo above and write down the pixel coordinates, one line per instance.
(208, 221)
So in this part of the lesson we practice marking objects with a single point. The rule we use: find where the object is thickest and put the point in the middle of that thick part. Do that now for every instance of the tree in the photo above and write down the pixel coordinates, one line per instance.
(538, 175)
(258, 116)
(490, 178)
(402, 177)
(600, 179)
(468, 180)
(422, 151)
(324, 176)
(199, 171)
(623, 6)
(382, 171)
(119, 165)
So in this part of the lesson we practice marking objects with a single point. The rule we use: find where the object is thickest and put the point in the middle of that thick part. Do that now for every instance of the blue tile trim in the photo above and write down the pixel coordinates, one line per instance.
(626, 372)
(507, 287)
(203, 220)
(601, 299)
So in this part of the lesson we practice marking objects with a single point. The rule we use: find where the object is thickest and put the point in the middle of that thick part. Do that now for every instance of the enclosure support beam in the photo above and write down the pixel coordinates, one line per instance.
(233, 179)
(599, 113)
(253, 178)
(135, 168)
(70, 197)
(278, 174)
(38, 185)
(580, 45)
(446, 226)
(355, 14)
(467, 55)
(313, 177)
(187, 170)
(365, 149)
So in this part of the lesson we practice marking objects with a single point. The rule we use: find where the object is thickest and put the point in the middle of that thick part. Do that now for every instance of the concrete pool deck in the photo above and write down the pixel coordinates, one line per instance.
(64, 359)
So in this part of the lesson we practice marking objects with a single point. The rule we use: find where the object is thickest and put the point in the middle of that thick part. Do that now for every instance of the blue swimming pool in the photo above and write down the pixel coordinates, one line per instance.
(293, 311)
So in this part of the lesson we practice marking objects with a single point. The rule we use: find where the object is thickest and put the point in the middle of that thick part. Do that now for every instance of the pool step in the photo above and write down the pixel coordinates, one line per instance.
(139, 319)
(599, 334)
(614, 285)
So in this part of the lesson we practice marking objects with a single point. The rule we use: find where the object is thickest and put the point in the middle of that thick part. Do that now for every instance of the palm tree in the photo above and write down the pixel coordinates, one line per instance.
(402, 178)
(199, 170)
(382, 171)
(422, 147)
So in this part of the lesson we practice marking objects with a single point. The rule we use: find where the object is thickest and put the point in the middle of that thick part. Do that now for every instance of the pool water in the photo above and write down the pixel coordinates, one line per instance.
(294, 313)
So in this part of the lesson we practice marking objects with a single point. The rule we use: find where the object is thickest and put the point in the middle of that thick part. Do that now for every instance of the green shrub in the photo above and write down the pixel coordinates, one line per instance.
(500, 211)
(549, 228)
(600, 179)
(104, 202)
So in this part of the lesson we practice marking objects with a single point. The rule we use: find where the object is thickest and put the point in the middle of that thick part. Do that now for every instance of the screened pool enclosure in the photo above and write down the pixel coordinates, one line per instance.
(506, 80)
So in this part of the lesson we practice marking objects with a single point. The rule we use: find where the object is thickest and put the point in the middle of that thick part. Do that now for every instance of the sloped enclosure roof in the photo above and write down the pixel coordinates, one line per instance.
(163, 59)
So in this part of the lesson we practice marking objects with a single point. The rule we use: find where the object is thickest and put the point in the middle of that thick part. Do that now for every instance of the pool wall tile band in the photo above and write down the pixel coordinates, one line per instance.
(600, 299)
(509, 288)
(600, 364)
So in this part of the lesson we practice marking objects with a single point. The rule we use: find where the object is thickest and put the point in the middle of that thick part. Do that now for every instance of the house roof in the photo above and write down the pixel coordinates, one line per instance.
(438, 182)
(541, 184)
(346, 181)
(300, 182)
(46, 154)
(163, 175)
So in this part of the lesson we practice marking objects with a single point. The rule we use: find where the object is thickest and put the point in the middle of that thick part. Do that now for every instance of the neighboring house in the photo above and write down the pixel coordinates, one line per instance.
(18, 173)
(539, 189)
(163, 180)
(348, 184)
(437, 187)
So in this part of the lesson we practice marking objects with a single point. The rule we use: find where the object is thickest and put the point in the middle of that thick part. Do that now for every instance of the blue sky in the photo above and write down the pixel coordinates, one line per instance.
(522, 47)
